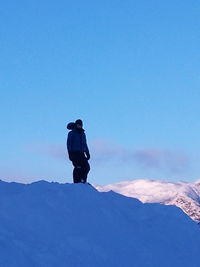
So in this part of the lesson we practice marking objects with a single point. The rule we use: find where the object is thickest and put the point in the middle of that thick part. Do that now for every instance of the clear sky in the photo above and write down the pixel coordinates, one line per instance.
(129, 69)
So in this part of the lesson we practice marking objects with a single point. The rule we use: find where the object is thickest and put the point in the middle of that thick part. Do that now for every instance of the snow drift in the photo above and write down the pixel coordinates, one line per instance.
(49, 224)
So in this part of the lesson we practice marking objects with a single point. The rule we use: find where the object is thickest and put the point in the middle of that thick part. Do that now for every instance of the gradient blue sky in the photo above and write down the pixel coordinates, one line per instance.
(129, 69)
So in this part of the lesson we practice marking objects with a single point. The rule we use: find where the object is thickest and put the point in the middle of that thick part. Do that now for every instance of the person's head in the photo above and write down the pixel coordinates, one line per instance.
(79, 124)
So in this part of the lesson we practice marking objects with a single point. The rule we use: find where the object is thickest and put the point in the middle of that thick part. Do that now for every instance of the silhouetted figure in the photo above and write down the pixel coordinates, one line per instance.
(78, 151)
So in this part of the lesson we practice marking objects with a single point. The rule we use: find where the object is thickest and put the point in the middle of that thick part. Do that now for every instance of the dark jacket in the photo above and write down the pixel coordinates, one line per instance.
(76, 141)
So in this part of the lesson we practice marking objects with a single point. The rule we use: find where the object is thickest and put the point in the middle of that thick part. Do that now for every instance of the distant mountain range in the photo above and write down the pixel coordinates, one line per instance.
(181, 194)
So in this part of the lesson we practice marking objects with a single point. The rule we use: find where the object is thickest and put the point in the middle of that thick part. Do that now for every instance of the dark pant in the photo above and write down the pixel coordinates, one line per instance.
(81, 167)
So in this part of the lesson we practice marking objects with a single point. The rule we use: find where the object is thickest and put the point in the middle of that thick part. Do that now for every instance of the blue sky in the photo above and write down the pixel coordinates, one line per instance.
(129, 69)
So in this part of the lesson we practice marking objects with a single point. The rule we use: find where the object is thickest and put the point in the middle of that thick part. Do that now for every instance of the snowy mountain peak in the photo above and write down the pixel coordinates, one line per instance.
(182, 194)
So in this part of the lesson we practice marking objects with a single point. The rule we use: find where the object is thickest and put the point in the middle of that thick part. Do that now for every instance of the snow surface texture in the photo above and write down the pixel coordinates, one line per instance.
(73, 225)
(184, 195)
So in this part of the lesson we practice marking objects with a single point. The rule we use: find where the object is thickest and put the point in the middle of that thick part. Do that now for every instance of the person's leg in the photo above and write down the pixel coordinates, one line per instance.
(77, 172)
(81, 168)
(85, 170)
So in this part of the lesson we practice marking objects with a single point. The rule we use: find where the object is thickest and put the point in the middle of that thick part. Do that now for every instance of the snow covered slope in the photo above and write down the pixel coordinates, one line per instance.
(184, 195)
(73, 225)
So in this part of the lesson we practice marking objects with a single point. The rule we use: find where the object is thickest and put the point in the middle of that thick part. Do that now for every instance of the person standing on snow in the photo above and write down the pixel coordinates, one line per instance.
(78, 151)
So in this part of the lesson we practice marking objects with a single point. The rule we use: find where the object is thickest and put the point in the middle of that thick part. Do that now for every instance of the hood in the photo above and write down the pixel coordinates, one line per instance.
(70, 125)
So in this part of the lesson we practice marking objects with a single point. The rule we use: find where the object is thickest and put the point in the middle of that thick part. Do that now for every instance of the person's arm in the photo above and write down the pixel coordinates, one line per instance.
(86, 148)
(69, 145)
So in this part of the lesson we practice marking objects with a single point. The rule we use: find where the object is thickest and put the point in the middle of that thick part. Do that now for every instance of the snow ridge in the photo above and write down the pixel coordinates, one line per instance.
(49, 224)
